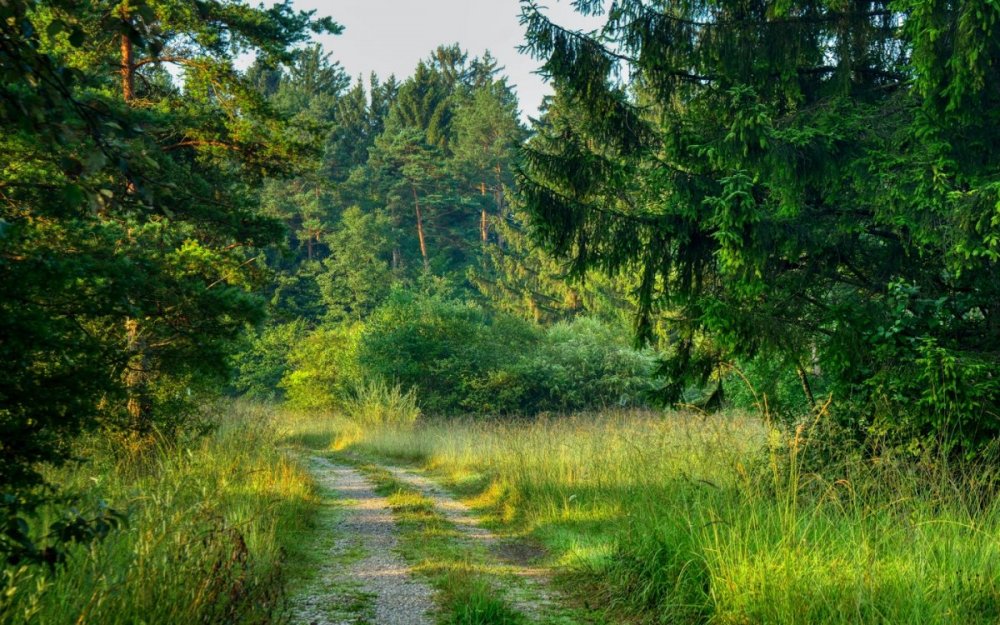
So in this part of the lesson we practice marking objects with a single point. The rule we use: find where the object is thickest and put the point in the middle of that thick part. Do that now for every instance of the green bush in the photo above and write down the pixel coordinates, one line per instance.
(263, 361)
(440, 347)
(588, 363)
(460, 358)
(454, 357)
(773, 381)
(323, 368)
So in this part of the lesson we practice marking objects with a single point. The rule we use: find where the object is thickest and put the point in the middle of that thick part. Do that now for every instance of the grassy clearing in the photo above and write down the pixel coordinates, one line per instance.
(209, 532)
(687, 519)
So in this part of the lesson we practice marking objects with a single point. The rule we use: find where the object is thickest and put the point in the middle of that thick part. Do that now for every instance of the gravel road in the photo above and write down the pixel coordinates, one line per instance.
(537, 598)
(393, 596)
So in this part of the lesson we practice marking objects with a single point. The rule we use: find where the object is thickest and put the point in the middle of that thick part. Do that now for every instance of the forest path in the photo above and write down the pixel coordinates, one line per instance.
(532, 594)
(362, 578)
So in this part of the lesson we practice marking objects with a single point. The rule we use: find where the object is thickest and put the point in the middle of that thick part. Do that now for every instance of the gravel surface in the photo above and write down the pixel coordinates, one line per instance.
(379, 584)
(536, 598)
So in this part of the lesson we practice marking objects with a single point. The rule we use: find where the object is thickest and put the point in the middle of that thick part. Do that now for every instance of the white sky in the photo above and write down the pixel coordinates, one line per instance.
(391, 36)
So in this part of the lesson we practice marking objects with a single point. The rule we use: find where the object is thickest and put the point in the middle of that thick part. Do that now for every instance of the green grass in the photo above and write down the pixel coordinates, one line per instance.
(689, 519)
(475, 603)
(209, 527)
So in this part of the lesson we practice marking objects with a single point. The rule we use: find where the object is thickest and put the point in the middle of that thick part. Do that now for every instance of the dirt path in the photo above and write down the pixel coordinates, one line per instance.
(534, 597)
(377, 585)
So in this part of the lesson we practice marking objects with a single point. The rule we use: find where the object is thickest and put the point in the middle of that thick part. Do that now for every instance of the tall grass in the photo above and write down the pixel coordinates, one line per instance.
(208, 528)
(687, 519)
(376, 404)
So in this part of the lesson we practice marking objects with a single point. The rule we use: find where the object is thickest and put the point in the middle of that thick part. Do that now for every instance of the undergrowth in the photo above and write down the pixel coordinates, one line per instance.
(207, 529)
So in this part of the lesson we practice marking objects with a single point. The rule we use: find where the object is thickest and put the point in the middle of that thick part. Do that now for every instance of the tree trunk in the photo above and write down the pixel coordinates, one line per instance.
(420, 231)
(136, 375)
(127, 63)
(806, 388)
(499, 201)
(136, 378)
(483, 222)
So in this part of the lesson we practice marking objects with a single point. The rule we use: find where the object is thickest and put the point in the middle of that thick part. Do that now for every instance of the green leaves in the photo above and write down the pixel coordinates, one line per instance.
(130, 229)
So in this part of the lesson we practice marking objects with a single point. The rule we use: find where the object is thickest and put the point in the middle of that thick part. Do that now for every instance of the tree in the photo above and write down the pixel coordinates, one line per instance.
(357, 274)
(487, 134)
(408, 173)
(797, 177)
(129, 225)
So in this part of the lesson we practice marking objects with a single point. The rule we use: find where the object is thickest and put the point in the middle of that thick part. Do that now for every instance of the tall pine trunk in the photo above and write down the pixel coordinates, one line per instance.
(499, 201)
(127, 63)
(484, 232)
(136, 374)
(420, 230)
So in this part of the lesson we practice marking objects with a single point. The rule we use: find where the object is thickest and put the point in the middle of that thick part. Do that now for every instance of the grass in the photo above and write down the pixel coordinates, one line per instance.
(690, 519)
(209, 528)
(675, 518)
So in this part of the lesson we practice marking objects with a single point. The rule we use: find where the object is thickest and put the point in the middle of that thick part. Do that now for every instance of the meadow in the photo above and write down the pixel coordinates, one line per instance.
(651, 517)
(684, 518)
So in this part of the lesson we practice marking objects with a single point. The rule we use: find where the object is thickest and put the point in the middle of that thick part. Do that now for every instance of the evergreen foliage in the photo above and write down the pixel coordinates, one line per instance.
(813, 179)
(129, 224)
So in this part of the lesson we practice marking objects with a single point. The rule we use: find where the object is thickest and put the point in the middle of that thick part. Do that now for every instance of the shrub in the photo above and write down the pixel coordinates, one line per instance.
(263, 361)
(588, 363)
(439, 347)
(323, 368)
(455, 357)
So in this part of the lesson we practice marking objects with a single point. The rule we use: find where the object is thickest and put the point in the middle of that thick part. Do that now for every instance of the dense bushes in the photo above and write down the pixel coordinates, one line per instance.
(322, 368)
(440, 347)
(263, 359)
(456, 357)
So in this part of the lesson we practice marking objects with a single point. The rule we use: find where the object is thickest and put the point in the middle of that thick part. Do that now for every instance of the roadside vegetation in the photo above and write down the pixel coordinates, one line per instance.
(208, 531)
(688, 518)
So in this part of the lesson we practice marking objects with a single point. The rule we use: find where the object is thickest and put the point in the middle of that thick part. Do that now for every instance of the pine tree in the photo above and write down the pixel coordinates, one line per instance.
(487, 135)
(129, 226)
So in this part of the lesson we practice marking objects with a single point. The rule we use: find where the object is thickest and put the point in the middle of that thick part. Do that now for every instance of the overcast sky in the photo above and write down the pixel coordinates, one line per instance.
(391, 36)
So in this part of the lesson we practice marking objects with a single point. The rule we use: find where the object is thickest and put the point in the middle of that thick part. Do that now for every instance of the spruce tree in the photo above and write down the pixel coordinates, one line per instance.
(814, 179)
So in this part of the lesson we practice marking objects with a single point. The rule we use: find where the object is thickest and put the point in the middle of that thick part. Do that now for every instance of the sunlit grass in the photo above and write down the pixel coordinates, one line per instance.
(209, 528)
(681, 518)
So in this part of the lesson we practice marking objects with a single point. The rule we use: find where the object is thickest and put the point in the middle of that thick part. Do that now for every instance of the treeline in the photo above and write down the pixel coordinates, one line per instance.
(407, 260)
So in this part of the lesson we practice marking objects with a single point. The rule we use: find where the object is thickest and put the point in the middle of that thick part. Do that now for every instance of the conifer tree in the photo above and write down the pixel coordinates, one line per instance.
(805, 177)
(129, 225)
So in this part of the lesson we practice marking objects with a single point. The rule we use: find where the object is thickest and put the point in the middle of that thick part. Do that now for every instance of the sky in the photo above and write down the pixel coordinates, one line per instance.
(391, 36)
